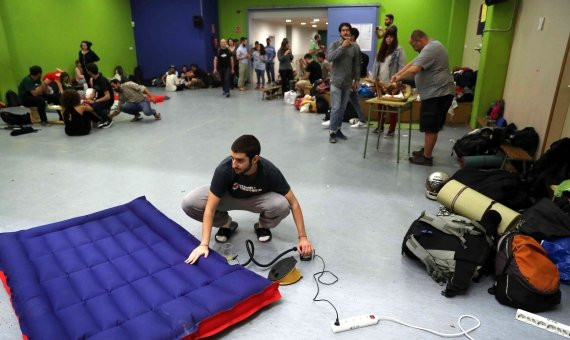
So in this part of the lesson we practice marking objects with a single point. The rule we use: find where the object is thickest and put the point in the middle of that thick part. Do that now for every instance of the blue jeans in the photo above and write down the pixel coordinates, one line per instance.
(270, 69)
(340, 96)
(260, 77)
(135, 108)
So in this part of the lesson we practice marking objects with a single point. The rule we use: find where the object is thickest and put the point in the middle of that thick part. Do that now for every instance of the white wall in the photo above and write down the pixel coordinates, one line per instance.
(472, 40)
(535, 63)
(260, 31)
(300, 39)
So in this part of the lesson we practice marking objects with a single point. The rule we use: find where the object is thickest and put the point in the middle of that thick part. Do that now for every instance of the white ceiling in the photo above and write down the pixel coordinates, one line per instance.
(296, 22)
(297, 16)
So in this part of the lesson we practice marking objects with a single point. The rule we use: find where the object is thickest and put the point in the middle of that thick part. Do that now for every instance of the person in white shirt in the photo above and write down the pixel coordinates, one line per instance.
(243, 60)
(172, 82)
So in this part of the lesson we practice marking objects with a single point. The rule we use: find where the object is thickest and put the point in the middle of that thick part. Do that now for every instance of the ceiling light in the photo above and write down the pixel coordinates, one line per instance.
(287, 20)
(303, 23)
(326, 23)
(314, 25)
(316, 20)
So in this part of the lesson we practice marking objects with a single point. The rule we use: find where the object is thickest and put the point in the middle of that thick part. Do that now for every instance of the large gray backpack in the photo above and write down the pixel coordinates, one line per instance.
(454, 249)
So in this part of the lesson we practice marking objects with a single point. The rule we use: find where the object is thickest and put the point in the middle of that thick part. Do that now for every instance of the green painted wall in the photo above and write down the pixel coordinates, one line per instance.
(48, 33)
(444, 20)
(494, 60)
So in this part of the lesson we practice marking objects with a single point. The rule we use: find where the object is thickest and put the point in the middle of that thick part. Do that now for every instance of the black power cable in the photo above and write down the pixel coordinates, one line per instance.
(251, 251)
(318, 280)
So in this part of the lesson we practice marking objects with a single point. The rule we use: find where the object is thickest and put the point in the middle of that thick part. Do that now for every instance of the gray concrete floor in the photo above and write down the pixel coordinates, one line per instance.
(356, 210)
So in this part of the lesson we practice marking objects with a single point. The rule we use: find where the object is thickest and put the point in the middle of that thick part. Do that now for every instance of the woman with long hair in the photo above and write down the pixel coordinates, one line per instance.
(285, 57)
(259, 65)
(76, 117)
(389, 60)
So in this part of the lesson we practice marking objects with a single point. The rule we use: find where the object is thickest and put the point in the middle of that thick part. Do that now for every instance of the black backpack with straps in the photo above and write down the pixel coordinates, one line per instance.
(454, 249)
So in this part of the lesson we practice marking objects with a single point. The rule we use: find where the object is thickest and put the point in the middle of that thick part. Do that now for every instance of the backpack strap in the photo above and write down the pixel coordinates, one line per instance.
(452, 226)
(432, 268)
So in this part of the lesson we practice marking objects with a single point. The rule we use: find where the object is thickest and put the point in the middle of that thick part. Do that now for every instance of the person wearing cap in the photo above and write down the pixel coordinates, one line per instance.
(244, 181)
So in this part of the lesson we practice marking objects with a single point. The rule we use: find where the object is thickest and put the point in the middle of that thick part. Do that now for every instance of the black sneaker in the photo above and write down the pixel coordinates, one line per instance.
(105, 125)
(332, 137)
(421, 160)
(377, 130)
(340, 135)
(224, 234)
(418, 153)
(263, 234)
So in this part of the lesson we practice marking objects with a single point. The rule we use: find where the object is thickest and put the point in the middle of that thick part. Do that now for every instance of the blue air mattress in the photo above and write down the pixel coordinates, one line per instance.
(120, 274)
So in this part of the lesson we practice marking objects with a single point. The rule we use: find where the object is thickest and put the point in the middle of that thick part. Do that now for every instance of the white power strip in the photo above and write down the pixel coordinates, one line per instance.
(544, 323)
(355, 322)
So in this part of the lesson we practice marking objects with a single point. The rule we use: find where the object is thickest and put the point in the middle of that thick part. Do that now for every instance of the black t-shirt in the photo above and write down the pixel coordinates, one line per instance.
(75, 123)
(224, 58)
(316, 72)
(267, 178)
(101, 85)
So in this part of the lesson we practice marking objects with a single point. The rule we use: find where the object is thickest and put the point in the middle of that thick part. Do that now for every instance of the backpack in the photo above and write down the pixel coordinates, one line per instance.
(479, 142)
(13, 119)
(526, 139)
(545, 221)
(454, 249)
(525, 277)
(496, 110)
(553, 167)
(12, 99)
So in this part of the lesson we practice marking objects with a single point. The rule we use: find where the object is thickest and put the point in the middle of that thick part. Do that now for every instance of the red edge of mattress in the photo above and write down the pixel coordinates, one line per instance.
(218, 322)
(7, 288)
(239, 312)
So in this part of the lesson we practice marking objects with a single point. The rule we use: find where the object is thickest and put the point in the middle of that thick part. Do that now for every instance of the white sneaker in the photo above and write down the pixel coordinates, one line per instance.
(358, 124)
(326, 123)
(353, 121)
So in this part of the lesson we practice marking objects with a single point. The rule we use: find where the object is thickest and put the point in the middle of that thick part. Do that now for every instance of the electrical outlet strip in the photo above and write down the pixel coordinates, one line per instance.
(544, 323)
(355, 322)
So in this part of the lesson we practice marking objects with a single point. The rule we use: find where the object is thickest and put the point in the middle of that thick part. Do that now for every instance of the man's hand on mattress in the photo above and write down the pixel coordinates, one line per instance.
(196, 253)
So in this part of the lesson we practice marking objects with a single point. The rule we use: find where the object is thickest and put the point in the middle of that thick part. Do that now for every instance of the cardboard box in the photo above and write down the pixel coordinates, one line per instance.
(461, 114)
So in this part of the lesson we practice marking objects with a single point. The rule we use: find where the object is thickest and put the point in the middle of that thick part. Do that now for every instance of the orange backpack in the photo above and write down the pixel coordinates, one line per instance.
(525, 277)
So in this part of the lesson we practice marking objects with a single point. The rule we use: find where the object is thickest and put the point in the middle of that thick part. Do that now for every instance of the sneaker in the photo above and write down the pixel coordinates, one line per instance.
(224, 234)
(418, 153)
(263, 234)
(326, 123)
(358, 124)
(157, 116)
(340, 135)
(136, 118)
(332, 137)
(377, 130)
(45, 124)
(227, 95)
(105, 125)
(353, 121)
(421, 160)
(388, 135)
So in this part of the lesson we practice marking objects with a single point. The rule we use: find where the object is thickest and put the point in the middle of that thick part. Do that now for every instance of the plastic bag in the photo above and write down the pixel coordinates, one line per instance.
(559, 252)
(289, 97)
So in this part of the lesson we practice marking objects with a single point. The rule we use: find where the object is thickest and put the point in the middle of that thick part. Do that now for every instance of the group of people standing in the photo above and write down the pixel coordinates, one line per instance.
(430, 69)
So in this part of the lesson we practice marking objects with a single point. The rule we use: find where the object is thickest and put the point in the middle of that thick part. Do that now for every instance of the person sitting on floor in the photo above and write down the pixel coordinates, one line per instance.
(325, 65)
(313, 72)
(244, 181)
(197, 77)
(105, 97)
(79, 77)
(33, 92)
(133, 98)
(172, 83)
(163, 78)
(76, 117)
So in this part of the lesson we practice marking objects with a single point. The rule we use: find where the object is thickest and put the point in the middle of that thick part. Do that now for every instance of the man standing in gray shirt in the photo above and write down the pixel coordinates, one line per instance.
(345, 58)
(435, 86)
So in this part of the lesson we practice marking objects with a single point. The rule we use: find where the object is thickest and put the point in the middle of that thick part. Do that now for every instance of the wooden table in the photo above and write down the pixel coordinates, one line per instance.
(390, 106)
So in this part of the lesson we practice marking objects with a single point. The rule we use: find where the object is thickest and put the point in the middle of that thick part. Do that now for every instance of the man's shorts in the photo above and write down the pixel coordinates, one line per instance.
(433, 112)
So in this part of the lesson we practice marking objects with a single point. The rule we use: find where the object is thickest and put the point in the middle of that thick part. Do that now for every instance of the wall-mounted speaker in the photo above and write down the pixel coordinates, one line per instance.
(198, 21)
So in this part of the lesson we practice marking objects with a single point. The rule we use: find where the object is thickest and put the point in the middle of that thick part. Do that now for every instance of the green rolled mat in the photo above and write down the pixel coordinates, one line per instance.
(483, 162)
(467, 202)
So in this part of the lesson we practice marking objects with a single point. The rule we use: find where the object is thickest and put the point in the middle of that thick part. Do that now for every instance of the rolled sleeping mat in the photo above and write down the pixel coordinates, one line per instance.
(467, 202)
(483, 162)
